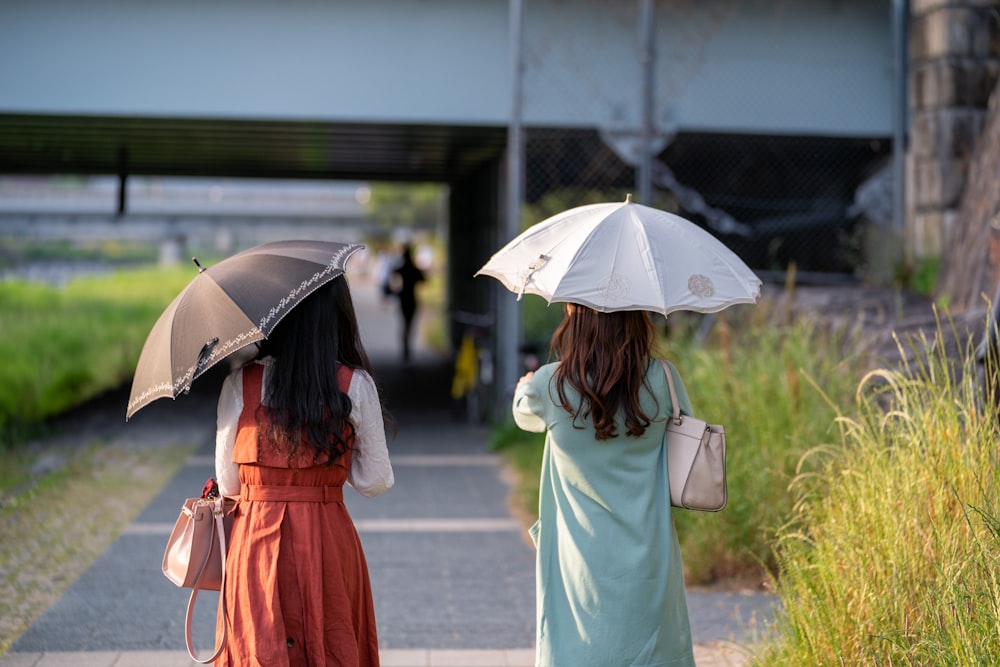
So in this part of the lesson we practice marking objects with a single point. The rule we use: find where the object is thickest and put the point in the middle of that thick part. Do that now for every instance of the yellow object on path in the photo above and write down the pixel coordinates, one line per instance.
(466, 368)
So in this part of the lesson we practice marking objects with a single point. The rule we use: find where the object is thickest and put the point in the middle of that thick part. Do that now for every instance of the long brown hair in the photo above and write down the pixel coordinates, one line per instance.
(604, 357)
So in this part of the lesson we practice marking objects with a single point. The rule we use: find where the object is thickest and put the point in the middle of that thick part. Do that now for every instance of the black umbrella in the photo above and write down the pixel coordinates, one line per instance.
(227, 307)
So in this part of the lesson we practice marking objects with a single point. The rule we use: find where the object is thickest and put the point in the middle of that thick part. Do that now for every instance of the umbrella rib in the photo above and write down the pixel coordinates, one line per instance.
(572, 260)
(277, 312)
(142, 398)
(532, 268)
(586, 240)
(192, 373)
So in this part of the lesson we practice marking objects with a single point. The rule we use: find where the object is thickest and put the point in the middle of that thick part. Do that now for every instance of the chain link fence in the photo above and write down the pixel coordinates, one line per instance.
(777, 200)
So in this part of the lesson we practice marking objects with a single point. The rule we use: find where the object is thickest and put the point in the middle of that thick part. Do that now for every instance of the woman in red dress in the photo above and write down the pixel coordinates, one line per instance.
(293, 426)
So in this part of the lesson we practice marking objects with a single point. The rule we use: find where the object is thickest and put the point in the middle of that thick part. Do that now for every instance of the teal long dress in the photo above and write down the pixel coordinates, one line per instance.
(609, 578)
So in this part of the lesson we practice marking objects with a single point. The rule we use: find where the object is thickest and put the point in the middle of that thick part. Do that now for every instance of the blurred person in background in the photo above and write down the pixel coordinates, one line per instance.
(406, 276)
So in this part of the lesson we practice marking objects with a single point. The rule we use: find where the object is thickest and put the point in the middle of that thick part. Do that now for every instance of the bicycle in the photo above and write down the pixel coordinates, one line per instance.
(472, 380)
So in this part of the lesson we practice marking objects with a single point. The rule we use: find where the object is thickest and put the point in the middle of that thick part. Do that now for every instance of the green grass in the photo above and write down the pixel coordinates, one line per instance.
(893, 554)
(62, 346)
(757, 384)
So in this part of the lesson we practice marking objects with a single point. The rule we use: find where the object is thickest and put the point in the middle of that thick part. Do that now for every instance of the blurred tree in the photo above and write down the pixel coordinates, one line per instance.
(409, 205)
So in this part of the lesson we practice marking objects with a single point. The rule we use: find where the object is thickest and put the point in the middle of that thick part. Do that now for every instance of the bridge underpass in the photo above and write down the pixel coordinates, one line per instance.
(466, 159)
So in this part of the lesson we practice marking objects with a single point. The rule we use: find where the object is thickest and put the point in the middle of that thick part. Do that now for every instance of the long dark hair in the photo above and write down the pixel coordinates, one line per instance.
(303, 397)
(604, 357)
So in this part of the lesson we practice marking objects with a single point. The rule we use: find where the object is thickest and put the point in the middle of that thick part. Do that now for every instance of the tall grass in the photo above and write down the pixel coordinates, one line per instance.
(62, 346)
(893, 554)
(751, 374)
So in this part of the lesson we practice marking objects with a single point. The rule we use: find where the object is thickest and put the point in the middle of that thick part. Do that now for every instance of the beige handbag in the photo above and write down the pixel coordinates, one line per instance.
(696, 459)
(195, 557)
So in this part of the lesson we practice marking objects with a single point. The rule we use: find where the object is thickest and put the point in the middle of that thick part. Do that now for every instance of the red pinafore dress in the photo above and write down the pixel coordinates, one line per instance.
(297, 587)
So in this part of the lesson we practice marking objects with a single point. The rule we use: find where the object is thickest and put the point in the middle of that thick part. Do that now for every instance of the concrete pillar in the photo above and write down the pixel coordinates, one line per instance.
(954, 54)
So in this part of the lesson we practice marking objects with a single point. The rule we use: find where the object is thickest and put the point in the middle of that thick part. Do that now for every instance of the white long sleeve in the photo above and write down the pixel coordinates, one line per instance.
(227, 473)
(370, 473)
(527, 409)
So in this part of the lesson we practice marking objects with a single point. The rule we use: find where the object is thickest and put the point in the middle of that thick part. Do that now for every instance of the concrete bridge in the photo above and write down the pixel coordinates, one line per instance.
(501, 101)
(223, 215)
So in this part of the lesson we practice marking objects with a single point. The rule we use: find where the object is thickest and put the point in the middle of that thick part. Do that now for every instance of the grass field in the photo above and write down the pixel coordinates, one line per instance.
(62, 346)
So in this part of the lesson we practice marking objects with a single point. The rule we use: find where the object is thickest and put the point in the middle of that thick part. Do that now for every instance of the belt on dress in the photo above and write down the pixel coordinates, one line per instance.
(292, 494)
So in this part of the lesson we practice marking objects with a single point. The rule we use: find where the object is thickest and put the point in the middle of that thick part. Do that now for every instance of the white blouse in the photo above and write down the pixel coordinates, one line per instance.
(370, 473)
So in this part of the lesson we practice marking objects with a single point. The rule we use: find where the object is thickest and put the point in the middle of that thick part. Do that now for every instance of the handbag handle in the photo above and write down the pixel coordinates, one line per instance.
(218, 510)
(673, 392)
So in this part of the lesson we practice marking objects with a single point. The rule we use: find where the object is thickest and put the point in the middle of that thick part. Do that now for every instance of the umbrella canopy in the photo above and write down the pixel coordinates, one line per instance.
(227, 307)
(624, 256)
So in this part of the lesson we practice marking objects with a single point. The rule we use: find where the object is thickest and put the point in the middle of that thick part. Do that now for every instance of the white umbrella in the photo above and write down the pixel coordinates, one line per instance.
(616, 256)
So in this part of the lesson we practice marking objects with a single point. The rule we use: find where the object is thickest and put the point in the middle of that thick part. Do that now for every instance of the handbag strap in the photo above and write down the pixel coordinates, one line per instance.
(218, 512)
(673, 391)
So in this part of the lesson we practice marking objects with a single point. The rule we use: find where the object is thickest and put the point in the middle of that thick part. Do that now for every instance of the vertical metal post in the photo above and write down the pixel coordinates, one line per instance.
(900, 115)
(122, 180)
(900, 120)
(647, 60)
(508, 325)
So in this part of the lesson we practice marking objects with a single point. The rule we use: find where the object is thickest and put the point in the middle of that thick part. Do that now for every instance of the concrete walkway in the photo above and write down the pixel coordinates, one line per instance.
(452, 572)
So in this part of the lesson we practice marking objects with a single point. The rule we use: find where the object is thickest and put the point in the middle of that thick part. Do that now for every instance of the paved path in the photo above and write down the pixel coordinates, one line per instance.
(452, 572)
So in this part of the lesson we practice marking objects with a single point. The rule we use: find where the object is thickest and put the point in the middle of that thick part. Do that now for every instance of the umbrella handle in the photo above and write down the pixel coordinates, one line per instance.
(205, 355)
(535, 266)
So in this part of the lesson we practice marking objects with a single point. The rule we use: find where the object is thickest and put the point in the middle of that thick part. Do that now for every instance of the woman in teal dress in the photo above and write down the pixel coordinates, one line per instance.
(609, 578)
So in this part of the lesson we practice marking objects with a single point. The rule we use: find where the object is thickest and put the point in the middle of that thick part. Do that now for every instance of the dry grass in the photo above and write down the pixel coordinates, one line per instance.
(56, 527)
(892, 555)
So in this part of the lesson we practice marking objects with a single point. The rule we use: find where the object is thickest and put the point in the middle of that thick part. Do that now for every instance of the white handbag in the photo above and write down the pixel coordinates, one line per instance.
(696, 459)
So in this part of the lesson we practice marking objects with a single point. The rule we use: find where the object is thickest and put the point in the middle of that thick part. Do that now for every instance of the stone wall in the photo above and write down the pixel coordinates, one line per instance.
(954, 54)
(970, 262)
